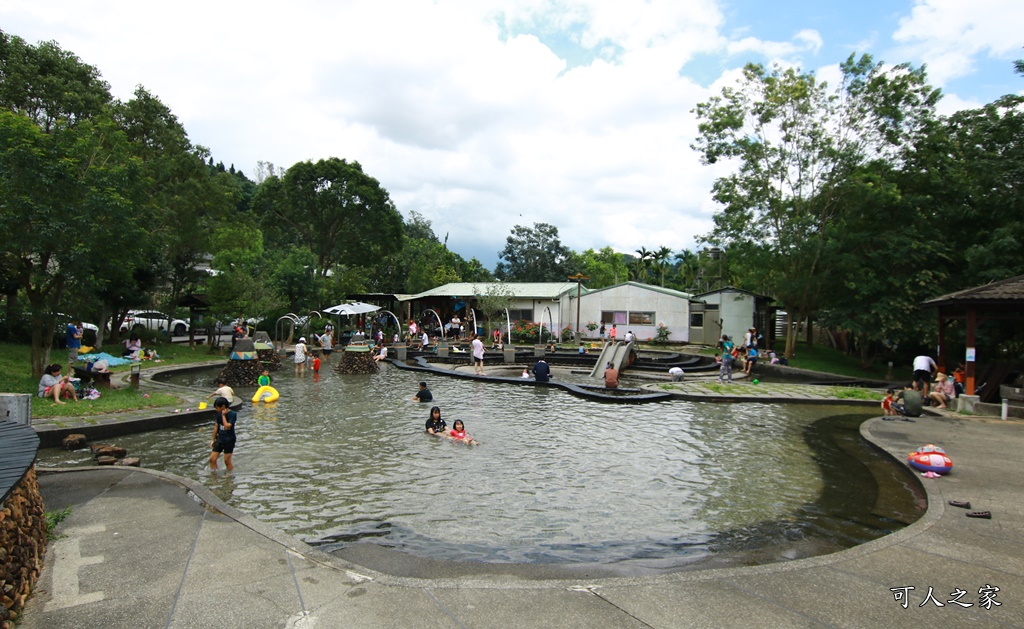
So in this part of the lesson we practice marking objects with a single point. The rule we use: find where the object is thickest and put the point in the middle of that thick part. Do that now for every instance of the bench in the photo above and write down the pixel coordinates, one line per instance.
(98, 378)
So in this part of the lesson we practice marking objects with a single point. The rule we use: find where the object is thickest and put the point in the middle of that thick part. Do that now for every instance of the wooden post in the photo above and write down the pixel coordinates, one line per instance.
(972, 322)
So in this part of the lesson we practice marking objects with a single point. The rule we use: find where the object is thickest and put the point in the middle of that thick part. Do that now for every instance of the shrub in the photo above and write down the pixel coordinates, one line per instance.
(529, 332)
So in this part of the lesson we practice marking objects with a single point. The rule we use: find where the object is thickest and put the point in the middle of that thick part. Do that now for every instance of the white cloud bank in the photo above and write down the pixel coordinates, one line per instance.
(479, 115)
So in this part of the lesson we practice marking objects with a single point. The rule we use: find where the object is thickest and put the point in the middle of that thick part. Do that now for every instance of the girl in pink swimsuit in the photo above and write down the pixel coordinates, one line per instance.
(458, 433)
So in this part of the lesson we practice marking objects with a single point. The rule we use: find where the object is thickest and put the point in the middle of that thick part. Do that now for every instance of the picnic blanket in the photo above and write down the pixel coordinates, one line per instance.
(112, 361)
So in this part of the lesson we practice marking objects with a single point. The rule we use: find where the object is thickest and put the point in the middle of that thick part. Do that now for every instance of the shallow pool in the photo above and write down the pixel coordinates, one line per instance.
(341, 460)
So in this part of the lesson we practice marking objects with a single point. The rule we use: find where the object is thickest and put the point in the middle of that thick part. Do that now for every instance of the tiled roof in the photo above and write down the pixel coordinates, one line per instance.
(1003, 291)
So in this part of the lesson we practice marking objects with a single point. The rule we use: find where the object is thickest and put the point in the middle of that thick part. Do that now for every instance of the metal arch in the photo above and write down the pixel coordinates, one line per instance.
(439, 323)
(508, 320)
(551, 325)
(278, 332)
(397, 322)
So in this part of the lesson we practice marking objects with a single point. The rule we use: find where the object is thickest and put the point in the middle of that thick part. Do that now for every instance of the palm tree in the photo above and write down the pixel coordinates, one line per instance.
(661, 257)
(689, 262)
(642, 264)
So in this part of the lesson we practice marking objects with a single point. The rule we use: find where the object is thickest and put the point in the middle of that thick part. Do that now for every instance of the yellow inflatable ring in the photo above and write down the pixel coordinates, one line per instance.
(266, 394)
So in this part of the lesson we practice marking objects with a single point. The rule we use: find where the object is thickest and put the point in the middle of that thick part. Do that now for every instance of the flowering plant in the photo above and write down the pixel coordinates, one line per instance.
(661, 336)
(528, 332)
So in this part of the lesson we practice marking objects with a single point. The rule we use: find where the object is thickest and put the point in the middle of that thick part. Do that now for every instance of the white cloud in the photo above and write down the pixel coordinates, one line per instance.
(950, 34)
(479, 114)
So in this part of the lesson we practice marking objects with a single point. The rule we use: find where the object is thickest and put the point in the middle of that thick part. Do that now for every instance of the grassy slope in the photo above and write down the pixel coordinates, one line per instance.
(16, 377)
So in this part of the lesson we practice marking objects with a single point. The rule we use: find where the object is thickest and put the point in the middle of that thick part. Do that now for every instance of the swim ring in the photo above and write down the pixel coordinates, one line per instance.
(266, 394)
(930, 458)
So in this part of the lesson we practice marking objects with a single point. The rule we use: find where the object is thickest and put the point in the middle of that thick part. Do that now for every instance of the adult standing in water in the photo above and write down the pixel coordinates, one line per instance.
(300, 356)
(478, 356)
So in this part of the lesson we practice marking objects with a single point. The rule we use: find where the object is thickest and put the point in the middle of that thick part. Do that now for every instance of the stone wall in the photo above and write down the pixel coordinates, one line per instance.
(22, 545)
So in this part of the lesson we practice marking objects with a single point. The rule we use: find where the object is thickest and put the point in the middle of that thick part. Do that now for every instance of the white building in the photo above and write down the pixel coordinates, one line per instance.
(632, 306)
(728, 310)
(531, 301)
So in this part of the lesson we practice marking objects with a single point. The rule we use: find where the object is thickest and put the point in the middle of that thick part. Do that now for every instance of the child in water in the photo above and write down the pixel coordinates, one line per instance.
(435, 425)
(316, 364)
(458, 433)
(264, 379)
(223, 434)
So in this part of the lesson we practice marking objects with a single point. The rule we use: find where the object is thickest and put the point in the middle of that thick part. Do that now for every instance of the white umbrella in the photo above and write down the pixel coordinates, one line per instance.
(356, 307)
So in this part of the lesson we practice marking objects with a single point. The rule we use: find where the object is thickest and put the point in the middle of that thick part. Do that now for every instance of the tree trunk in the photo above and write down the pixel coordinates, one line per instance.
(791, 333)
(810, 333)
(865, 359)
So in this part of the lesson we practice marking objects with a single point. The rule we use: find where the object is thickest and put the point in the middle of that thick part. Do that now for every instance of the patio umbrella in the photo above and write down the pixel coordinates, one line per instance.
(354, 308)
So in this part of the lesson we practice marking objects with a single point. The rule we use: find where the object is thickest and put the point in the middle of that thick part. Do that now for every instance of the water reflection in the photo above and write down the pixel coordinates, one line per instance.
(557, 479)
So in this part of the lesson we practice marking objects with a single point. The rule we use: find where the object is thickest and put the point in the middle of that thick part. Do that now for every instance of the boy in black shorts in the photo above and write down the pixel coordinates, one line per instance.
(223, 434)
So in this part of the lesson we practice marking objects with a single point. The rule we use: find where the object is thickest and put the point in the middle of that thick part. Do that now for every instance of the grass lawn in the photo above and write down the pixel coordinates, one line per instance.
(16, 377)
(827, 360)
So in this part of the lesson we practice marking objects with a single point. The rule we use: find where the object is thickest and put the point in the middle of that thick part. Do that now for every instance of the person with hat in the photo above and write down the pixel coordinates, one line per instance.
(300, 356)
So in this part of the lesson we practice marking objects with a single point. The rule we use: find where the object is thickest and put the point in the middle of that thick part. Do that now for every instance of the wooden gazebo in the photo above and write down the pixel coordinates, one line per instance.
(1003, 299)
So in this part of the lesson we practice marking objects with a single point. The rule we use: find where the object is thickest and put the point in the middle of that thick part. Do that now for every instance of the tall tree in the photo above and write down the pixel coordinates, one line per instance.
(533, 255)
(66, 175)
(795, 143)
(332, 208)
(605, 267)
(661, 259)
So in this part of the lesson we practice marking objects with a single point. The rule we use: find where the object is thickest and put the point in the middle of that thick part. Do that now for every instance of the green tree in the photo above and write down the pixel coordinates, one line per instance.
(661, 259)
(332, 208)
(604, 267)
(67, 178)
(533, 255)
(795, 143)
(986, 208)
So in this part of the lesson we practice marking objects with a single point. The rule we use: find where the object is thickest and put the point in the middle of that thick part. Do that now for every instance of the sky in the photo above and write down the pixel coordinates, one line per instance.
(481, 115)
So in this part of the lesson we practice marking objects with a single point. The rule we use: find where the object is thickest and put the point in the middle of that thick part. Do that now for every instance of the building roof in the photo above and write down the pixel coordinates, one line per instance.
(650, 287)
(1003, 292)
(518, 290)
(732, 289)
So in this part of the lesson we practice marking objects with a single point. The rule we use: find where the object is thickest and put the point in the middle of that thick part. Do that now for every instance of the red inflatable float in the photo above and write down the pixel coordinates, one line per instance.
(930, 458)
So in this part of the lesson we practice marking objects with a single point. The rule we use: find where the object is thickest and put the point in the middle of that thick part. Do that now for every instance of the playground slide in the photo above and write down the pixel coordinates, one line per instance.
(615, 353)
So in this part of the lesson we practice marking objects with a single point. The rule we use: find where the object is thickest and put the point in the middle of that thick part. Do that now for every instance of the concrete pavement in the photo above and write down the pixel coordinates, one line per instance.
(147, 549)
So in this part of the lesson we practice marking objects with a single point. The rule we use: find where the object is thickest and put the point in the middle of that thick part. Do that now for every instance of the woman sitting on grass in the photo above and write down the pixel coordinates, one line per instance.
(55, 386)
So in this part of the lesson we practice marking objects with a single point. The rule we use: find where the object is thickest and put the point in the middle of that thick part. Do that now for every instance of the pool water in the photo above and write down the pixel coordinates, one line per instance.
(342, 460)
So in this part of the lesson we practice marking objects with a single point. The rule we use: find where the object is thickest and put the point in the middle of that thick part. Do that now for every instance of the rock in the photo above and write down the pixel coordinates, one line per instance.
(96, 446)
(106, 460)
(131, 461)
(118, 452)
(103, 450)
(73, 442)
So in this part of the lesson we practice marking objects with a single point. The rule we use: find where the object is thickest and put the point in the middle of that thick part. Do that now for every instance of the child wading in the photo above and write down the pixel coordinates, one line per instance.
(223, 434)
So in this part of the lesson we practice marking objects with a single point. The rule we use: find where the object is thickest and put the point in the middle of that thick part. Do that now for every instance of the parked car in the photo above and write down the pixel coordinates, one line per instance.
(89, 331)
(153, 320)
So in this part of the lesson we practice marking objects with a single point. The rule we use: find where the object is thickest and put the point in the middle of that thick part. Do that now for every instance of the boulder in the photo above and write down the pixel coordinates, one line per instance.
(106, 460)
(73, 442)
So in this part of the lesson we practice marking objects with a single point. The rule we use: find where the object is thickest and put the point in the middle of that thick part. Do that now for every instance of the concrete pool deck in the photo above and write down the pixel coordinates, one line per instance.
(144, 548)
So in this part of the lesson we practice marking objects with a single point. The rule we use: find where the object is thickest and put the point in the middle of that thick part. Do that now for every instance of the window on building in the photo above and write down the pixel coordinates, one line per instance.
(696, 319)
(520, 314)
(641, 318)
(617, 317)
